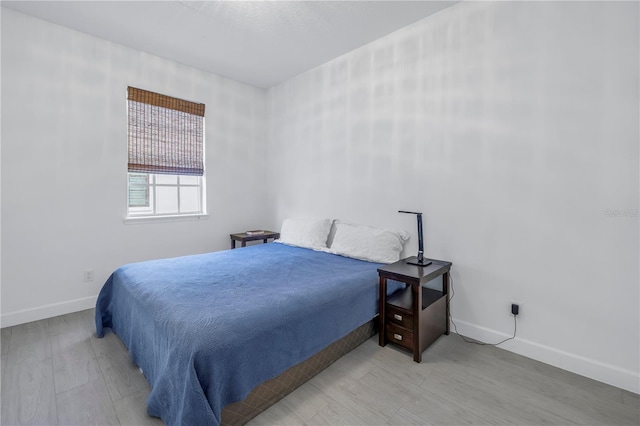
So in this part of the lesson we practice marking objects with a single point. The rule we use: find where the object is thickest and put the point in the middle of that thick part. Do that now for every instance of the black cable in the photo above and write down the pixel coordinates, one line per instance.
(515, 322)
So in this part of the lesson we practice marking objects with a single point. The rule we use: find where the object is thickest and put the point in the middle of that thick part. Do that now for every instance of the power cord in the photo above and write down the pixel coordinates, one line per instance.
(515, 322)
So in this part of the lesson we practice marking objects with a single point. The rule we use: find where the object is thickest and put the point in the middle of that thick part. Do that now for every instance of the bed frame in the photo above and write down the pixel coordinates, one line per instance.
(271, 391)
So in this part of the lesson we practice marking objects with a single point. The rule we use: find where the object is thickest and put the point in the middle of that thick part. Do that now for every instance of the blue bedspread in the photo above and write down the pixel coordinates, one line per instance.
(206, 329)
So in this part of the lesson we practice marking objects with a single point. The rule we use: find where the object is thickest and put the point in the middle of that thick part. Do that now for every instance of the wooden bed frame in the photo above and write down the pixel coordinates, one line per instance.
(271, 391)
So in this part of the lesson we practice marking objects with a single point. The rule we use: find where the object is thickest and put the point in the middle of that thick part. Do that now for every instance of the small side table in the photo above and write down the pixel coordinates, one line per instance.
(416, 316)
(243, 237)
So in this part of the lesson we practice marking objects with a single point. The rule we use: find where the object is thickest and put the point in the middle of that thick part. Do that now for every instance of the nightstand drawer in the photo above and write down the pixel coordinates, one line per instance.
(399, 317)
(399, 336)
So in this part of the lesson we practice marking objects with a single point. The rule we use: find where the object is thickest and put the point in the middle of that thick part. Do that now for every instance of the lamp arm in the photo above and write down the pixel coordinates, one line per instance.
(420, 240)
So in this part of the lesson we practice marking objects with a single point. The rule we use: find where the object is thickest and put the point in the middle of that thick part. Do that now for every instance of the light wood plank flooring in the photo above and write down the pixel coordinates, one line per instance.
(56, 371)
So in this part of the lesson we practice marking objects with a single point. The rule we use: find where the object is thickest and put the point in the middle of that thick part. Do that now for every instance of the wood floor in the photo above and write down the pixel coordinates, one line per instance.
(56, 371)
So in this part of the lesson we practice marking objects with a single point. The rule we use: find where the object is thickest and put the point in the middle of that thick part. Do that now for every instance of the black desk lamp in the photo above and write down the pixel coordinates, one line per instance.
(418, 260)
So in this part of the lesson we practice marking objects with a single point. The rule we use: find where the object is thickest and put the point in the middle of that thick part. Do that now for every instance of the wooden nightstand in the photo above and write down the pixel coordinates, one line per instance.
(243, 237)
(414, 317)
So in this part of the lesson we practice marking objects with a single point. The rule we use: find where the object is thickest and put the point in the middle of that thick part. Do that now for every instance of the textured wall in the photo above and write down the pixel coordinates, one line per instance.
(514, 127)
(64, 156)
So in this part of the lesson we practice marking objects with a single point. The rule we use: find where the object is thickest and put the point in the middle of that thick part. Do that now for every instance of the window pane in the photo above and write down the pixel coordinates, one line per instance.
(167, 179)
(143, 211)
(189, 199)
(189, 180)
(166, 199)
(138, 190)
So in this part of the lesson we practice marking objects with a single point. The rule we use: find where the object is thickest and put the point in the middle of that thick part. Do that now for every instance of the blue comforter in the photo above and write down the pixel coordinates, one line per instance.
(206, 329)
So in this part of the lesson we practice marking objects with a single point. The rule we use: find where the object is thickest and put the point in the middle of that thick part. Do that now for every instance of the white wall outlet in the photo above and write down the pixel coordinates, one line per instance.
(87, 275)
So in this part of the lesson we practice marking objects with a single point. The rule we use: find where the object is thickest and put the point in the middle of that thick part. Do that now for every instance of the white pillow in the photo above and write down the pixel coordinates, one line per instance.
(307, 233)
(368, 243)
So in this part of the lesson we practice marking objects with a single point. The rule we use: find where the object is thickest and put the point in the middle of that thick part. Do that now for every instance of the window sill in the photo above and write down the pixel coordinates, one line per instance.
(134, 220)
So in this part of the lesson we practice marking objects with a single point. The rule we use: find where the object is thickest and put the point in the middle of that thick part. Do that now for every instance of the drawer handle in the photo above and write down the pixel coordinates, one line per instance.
(397, 336)
(398, 317)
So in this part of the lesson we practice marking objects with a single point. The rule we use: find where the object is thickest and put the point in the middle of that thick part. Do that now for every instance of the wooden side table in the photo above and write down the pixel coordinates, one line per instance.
(243, 237)
(416, 316)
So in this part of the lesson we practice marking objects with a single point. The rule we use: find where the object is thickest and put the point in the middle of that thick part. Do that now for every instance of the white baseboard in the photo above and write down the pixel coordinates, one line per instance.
(47, 311)
(602, 372)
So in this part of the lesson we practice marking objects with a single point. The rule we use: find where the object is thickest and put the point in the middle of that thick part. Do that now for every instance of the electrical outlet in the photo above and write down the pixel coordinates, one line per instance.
(515, 308)
(87, 275)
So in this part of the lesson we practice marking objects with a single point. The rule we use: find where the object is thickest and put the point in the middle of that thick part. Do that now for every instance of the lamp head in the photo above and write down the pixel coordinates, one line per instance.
(405, 211)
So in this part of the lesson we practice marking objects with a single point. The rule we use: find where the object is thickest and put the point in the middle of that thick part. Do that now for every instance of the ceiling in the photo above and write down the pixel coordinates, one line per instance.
(261, 43)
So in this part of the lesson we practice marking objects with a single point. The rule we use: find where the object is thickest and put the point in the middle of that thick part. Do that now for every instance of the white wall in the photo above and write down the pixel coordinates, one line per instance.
(64, 164)
(514, 127)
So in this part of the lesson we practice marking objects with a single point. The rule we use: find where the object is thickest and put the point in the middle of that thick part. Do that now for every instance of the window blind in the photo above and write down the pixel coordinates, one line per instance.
(165, 134)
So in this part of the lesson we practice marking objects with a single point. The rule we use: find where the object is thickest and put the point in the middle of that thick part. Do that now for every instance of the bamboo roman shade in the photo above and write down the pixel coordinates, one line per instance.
(165, 134)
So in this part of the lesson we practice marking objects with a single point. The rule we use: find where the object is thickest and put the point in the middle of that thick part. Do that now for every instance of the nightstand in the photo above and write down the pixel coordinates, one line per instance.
(243, 237)
(414, 317)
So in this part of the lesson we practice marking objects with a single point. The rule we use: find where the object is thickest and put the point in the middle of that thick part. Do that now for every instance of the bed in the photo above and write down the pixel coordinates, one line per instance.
(207, 330)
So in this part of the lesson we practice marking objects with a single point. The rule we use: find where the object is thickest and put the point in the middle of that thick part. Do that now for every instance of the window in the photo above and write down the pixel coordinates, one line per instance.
(166, 151)
(153, 194)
